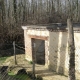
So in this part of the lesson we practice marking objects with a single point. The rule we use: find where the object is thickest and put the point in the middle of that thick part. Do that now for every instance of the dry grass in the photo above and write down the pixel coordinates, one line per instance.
(40, 69)
(21, 63)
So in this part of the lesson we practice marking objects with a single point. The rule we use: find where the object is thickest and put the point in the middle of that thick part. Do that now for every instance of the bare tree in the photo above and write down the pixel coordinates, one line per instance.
(15, 13)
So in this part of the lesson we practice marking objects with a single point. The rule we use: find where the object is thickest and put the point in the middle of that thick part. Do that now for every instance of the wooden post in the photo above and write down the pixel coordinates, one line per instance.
(14, 52)
(33, 57)
(71, 50)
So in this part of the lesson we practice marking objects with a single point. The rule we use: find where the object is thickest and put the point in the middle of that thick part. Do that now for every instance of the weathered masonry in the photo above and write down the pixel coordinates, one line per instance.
(51, 45)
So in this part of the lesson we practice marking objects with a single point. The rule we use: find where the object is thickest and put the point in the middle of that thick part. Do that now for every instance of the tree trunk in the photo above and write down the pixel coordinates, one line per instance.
(71, 50)
(15, 9)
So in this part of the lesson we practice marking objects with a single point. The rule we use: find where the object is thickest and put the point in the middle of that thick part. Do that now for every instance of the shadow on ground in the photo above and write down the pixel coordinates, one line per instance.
(5, 75)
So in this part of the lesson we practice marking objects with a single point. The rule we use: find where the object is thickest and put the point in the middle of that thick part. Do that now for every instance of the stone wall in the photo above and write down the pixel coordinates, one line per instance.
(58, 52)
(56, 49)
(28, 35)
(77, 51)
(28, 48)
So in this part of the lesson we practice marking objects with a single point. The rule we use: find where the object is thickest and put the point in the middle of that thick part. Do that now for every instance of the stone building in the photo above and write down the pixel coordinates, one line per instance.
(51, 45)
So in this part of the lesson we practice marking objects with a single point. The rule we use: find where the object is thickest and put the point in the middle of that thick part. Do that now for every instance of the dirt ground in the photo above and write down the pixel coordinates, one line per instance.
(40, 69)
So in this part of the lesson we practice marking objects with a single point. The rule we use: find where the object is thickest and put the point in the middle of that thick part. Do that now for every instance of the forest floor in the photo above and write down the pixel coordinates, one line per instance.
(24, 64)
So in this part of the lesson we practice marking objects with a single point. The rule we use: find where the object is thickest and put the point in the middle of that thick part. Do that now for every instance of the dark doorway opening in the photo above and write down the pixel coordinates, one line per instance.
(39, 51)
